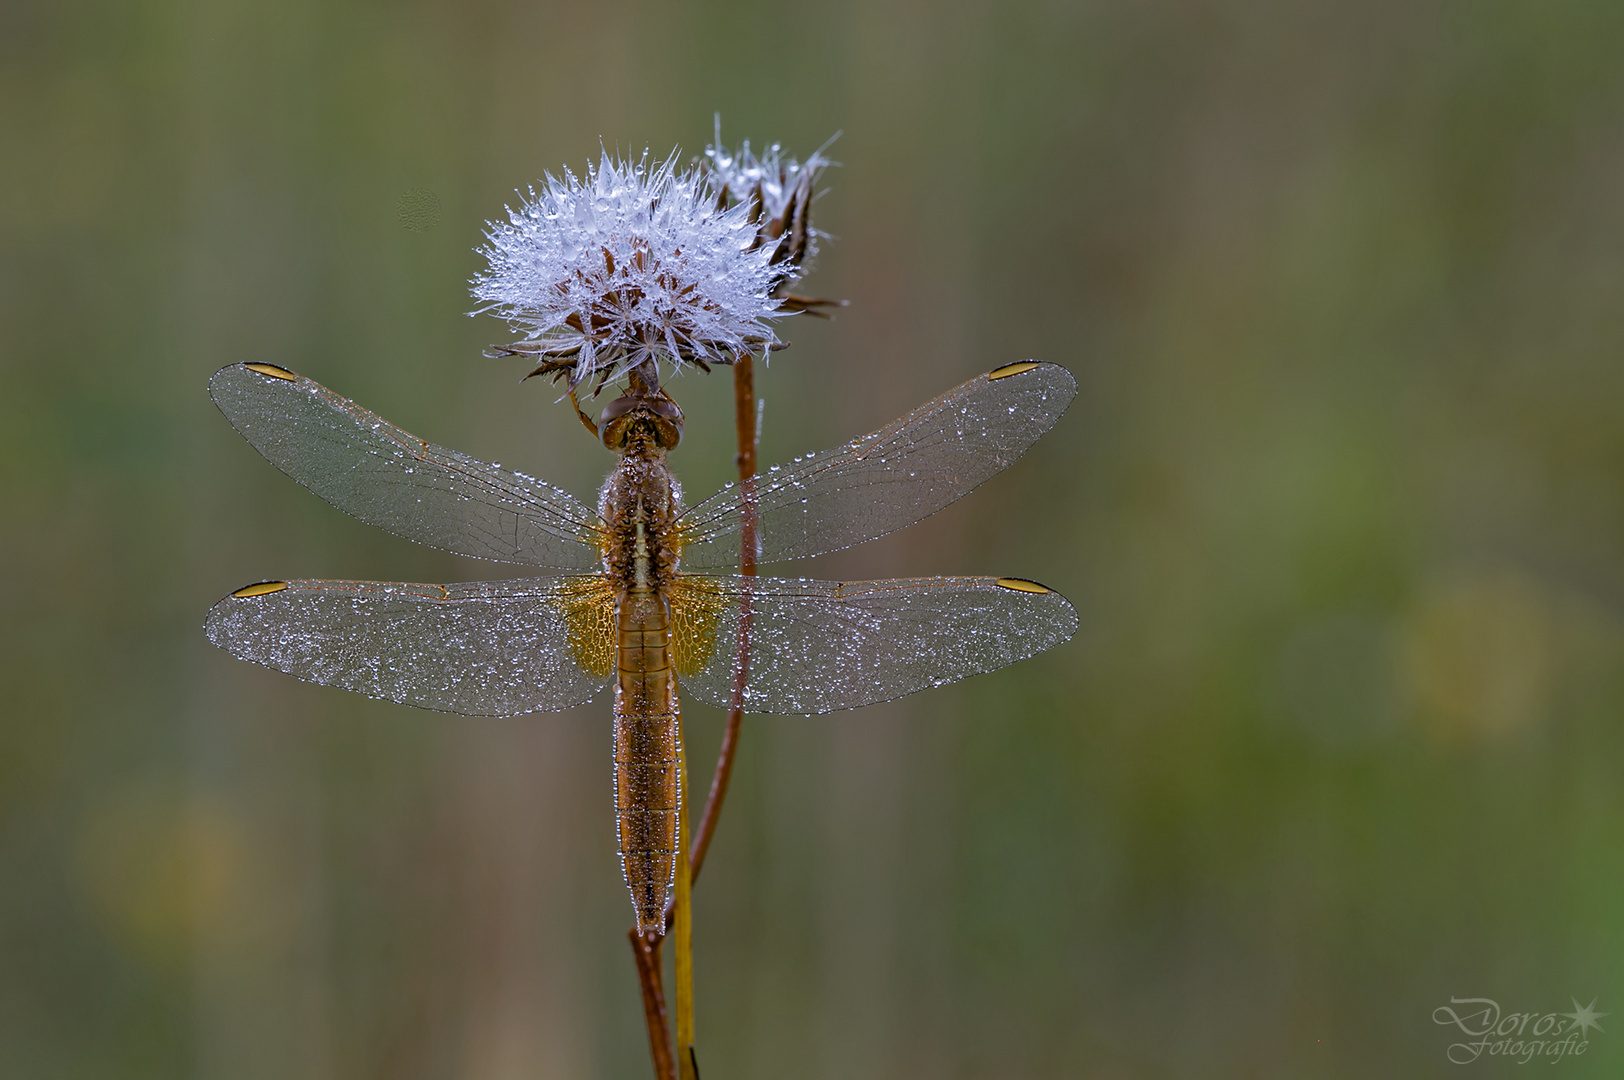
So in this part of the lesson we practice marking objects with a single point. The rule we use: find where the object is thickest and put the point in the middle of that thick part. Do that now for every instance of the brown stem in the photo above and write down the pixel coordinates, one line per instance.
(744, 419)
(646, 954)
(646, 950)
(718, 788)
(744, 422)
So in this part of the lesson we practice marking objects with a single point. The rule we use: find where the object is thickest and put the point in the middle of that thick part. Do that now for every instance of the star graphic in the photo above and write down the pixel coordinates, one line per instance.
(1584, 1017)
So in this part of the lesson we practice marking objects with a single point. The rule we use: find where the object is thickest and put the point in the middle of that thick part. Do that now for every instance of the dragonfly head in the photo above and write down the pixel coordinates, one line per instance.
(641, 416)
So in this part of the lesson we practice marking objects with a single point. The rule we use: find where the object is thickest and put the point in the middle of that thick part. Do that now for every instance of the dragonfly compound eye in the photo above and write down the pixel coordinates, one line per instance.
(614, 425)
(667, 417)
(667, 432)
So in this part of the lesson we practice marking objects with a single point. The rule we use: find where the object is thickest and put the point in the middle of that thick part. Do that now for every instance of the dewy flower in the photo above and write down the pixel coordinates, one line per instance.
(633, 265)
(778, 190)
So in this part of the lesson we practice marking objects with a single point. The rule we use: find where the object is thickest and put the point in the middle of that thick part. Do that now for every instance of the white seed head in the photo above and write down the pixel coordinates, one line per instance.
(635, 263)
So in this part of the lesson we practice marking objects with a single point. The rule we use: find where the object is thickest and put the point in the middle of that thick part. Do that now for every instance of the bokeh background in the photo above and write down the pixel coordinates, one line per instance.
(1341, 504)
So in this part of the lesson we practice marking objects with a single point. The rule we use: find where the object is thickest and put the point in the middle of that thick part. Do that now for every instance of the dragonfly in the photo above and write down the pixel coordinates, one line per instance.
(642, 592)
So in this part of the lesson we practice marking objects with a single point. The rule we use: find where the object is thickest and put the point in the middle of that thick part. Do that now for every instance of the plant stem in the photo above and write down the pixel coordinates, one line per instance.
(646, 954)
(744, 419)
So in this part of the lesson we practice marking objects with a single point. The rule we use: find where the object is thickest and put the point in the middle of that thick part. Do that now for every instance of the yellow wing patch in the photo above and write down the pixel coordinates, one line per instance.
(696, 607)
(588, 606)
(1012, 369)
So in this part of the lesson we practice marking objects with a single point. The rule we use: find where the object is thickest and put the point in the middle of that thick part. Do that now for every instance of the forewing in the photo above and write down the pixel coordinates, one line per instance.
(372, 470)
(817, 646)
(882, 482)
(482, 648)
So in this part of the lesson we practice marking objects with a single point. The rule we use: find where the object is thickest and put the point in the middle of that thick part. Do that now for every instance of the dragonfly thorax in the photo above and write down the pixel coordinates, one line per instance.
(640, 504)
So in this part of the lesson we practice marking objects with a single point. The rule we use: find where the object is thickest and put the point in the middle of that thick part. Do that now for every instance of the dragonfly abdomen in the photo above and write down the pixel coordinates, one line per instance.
(647, 743)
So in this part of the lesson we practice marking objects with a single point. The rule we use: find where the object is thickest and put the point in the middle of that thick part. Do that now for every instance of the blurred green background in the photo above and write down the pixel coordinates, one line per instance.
(1341, 504)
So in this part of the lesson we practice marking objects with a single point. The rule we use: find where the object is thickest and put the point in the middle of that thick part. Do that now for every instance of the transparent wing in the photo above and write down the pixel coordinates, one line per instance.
(483, 648)
(817, 646)
(372, 470)
(882, 482)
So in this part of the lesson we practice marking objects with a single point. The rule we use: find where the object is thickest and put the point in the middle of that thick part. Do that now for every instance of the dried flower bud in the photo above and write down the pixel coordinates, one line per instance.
(779, 191)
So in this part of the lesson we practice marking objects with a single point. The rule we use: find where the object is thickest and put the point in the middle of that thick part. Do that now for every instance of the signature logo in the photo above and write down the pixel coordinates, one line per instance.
(1520, 1036)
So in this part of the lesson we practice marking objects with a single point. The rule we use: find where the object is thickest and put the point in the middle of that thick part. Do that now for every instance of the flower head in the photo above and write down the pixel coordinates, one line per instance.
(633, 265)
